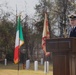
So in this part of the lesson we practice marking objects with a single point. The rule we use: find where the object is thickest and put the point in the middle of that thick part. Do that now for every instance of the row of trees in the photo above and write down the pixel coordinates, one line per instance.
(57, 10)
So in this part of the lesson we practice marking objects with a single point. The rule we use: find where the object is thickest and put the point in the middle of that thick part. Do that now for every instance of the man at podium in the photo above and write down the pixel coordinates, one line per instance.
(73, 24)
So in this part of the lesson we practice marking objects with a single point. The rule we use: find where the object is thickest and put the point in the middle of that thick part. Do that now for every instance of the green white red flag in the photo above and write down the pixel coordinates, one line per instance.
(19, 41)
(45, 35)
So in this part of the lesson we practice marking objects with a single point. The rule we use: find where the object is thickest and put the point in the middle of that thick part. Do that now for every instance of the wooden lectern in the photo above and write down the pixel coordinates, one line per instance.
(64, 55)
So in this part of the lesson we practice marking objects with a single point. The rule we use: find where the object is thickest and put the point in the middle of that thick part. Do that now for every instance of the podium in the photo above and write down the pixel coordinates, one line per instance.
(64, 55)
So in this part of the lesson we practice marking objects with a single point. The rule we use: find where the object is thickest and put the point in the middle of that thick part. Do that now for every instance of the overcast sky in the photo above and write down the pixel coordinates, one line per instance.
(25, 6)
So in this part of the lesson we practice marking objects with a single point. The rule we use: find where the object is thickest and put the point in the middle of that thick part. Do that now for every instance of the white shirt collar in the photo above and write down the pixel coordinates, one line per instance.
(73, 26)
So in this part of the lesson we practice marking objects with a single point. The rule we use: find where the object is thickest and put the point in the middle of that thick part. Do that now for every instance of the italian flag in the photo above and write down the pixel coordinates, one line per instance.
(19, 41)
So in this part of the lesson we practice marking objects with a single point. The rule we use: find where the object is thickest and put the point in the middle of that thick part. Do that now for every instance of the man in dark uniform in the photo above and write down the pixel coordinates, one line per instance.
(73, 25)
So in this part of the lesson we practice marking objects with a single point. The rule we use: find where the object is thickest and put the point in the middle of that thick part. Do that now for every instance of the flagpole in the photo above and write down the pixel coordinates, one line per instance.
(47, 37)
(46, 56)
(19, 42)
(18, 50)
(45, 11)
(16, 14)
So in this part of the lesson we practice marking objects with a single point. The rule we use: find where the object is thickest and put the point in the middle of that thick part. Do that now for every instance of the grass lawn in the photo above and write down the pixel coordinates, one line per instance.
(11, 69)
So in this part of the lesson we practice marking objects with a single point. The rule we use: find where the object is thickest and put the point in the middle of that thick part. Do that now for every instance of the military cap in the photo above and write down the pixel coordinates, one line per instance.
(72, 15)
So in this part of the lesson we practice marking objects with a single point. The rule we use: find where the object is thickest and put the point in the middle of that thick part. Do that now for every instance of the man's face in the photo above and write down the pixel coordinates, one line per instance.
(73, 22)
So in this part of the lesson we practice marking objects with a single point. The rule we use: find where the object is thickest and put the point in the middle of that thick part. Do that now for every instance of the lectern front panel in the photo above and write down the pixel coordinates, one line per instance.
(60, 64)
